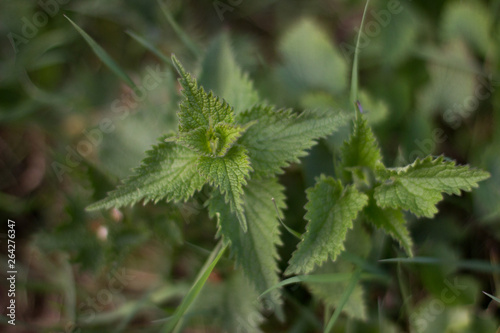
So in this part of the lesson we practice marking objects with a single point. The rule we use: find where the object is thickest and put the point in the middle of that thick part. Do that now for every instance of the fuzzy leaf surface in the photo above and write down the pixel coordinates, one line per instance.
(418, 187)
(229, 174)
(199, 109)
(362, 149)
(214, 141)
(392, 221)
(168, 172)
(280, 137)
(331, 209)
(254, 251)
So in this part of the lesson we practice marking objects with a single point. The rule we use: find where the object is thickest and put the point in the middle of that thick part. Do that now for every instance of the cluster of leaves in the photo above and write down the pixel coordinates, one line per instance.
(233, 149)
(239, 152)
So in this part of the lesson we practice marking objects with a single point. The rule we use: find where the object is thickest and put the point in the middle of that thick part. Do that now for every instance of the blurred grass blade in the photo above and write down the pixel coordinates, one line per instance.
(492, 297)
(414, 260)
(296, 234)
(103, 55)
(345, 297)
(318, 278)
(354, 75)
(178, 30)
(474, 265)
(173, 324)
(149, 46)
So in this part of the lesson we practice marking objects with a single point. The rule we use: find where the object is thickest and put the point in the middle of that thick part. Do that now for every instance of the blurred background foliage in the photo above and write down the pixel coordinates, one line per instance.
(69, 130)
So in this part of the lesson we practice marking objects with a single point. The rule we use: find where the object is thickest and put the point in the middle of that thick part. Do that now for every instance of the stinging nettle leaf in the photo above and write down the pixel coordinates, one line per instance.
(199, 109)
(229, 174)
(392, 221)
(280, 137)
(418, 187)
(362, 149)
(331, 209)
(169, 171)
(255, 251)
(311, 61)
(214, 141)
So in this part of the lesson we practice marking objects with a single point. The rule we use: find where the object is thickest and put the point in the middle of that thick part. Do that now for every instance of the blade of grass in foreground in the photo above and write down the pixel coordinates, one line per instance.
(103, 55)
(178, 30)
(322, 278)
(149, 46)
(174, 322)
(318, 278)
(354, 75)
(474, 265)
(492, 297)
(345, 297)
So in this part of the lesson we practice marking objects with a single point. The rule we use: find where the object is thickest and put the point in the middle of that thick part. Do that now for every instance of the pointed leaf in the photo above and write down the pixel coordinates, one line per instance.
(362, 149)
(199, 109)
(392, 221)
(255, 251)
(229, 174)
(281, 137)
(331, 209)
(168, 171)
(418, 187)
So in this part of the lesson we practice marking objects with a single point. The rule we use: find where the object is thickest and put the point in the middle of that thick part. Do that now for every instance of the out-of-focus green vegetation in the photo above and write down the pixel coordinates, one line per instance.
(70, 128)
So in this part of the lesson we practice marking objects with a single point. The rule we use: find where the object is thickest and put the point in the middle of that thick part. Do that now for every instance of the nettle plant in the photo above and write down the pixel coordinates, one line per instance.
(240, 153)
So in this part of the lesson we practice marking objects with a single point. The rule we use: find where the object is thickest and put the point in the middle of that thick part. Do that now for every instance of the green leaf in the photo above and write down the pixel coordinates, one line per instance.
(392, 221)
(214, 141)
(418, 187)
(469, 20)
(281, 137)
(362, 149)
(255, 251)
(103, 55)
(452, 79)
(311, 62)
(169, 171)
(331, 209)
(199, 109)
(229, 174)
(224, 77)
